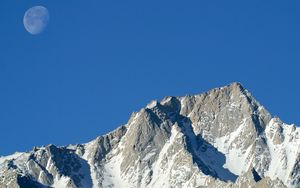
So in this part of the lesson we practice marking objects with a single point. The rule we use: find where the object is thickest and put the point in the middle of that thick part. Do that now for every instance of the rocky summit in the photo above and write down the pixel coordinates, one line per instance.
(221, 138)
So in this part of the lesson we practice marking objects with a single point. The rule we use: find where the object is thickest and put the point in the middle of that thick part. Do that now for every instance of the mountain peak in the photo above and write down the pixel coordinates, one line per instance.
(233, 87)
(221, 138)
(236, 85)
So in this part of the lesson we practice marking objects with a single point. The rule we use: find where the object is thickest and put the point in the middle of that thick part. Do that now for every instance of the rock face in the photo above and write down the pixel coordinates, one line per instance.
(222, 138)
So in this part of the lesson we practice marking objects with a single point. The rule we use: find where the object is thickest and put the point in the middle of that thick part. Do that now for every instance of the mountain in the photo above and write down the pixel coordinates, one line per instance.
(221, 138)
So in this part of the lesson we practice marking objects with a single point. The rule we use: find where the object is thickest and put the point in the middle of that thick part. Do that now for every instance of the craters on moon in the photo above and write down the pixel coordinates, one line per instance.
(36, 19)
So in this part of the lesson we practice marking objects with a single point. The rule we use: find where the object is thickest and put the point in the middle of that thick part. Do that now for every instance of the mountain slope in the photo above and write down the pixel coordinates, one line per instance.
(221, 138)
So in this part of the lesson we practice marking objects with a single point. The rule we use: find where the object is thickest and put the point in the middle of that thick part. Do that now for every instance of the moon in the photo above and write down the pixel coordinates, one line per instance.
(36, 19)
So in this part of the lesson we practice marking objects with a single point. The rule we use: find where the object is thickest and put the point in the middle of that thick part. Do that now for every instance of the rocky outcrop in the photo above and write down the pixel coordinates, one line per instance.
(221, 138)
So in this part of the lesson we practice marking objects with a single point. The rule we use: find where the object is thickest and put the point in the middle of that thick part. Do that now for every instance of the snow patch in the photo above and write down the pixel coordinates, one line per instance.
(10, 157)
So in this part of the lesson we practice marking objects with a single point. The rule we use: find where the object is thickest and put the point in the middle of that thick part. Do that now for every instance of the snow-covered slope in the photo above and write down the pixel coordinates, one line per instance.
(222, 138)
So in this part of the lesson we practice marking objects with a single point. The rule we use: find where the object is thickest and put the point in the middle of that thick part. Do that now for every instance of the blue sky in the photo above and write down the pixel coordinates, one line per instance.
(98, 61)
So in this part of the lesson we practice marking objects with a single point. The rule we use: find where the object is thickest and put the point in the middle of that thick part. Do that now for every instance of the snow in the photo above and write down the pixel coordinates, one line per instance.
(149, 155)
(210, 156)
(152, 104)
(88, 149)
(112, 176)
(10, 157)
(283, 155)
(160, 171)
(19, 159)
(173, 163)
(112, 173)
(166, 170)
(235, 158)
(60, 182)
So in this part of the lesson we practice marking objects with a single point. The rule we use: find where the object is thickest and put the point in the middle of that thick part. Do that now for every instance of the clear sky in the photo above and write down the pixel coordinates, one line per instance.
(98, 61)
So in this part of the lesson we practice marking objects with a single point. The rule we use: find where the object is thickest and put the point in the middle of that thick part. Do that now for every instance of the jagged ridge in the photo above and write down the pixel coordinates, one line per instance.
(223, 137)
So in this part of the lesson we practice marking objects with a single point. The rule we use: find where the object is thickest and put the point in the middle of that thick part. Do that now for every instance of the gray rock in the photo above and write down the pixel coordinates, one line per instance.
(221, 138)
